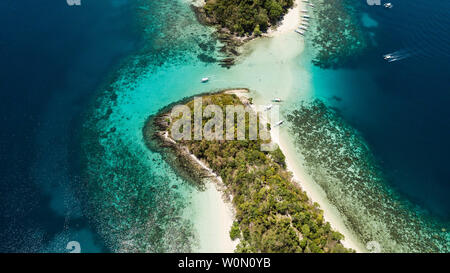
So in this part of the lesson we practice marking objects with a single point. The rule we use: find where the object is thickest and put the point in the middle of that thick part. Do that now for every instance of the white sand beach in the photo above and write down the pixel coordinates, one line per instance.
(213, 217)
(211, 213)
(282, 38)
(294, 162)
(269, 67)
(215, 234)
(290, 21)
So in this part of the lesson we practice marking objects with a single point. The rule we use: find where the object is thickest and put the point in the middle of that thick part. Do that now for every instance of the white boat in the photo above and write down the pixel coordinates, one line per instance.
(300, 32)
(276, 100)
(388, 57)
(279, 123)
(303, 27)
(305, 10)
(306, 1)
(311, 5)
(268, 107)
(205, 80)
(392, 57)
(306, 16)
(388, 5)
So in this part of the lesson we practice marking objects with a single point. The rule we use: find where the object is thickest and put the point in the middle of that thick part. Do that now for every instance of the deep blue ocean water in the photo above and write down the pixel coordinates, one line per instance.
(53, 56)
(402, 107)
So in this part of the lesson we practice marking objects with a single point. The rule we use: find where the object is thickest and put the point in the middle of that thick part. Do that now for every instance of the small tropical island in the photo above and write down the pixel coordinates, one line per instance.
(238, 22)
(245, 17)
(272, 212)
(335, 34)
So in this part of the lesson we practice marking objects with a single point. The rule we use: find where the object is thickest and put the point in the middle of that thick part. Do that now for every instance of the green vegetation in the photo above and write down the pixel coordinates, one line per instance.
(273, 214)
(246, 16)
(235, 232)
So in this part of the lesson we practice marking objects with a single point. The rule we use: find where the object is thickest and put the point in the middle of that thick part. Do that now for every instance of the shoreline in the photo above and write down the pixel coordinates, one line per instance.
(232, 44)
(313, 191)
(293, 162)
(219, 204)
(290, 22)
(211, 209)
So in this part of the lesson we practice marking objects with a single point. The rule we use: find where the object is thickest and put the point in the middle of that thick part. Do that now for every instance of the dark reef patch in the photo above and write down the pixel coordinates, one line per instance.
(341, 162)
(337, 37)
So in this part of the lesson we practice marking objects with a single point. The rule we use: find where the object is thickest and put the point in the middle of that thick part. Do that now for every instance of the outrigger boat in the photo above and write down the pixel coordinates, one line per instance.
(279, 123)
(388, 5)
(300, 32)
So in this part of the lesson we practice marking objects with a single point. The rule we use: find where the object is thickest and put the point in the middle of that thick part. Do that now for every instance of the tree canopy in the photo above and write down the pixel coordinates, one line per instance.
(247, 16)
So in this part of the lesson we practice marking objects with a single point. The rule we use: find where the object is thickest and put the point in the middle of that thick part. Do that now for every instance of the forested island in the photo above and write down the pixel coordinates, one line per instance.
(273, 214)
(245, 17)
(239, 21)
(335, 33)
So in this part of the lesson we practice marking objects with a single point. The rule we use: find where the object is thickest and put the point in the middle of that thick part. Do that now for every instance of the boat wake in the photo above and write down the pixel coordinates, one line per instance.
(398, 55)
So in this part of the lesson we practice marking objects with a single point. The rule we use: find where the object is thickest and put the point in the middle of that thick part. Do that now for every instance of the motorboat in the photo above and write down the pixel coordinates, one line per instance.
(388, 57)
(205, 80)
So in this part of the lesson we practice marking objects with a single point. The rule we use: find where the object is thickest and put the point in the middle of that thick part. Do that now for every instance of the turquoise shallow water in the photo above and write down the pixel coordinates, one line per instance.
(167, 69)
(134, 197)
(55, 57)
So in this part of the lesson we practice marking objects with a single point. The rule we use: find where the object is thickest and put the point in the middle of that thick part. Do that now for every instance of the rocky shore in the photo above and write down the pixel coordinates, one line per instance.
(230, 42)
